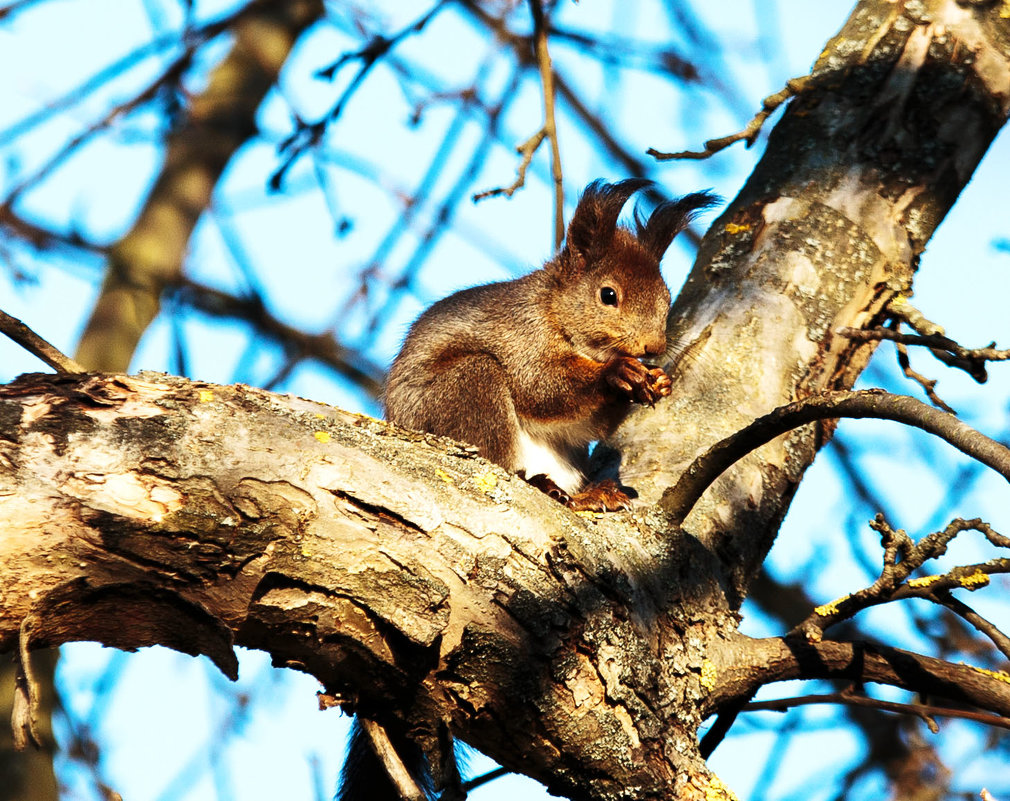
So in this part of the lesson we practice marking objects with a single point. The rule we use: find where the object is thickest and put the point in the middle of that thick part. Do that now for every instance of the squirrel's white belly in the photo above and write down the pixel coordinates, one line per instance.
(537, 456)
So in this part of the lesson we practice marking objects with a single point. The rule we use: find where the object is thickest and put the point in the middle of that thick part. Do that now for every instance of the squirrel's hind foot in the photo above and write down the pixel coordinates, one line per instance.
(604, 496)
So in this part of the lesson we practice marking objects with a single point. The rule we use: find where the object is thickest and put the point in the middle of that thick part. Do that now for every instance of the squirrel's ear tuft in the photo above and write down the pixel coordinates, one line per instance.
(670, 218)
(594, 222)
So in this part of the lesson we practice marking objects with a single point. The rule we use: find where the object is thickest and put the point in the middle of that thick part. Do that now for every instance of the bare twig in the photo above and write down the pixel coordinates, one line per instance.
(24, 718)
(543, 56)
(999, 639)
(678, 500)
(928, 384)
(484, 778)
(398, 773)
(749, 133)
(947, 350)
(36, 345)
(170, 76)
(527, 149)
(194, 38)
(901, 558)
(308, 134)
(322, 347)
(925, 711)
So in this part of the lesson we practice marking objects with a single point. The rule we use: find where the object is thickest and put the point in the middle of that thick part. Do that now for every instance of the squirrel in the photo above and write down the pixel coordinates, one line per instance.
(533, 370)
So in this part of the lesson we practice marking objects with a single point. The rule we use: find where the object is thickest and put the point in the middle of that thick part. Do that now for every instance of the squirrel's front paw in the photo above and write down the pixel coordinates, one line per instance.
(659, 382)
(640, 383)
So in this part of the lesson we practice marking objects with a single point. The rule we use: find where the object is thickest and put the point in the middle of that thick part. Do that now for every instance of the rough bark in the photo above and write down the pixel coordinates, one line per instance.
(863, 166)
(400, 570)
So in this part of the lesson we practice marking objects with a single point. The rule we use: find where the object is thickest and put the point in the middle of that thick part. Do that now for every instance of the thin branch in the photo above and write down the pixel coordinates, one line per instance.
(322, 347)
(397, 771)
(484, 778)
(526, 149)
(901, 558)
(678, 500)
(947, 350)
(924, 711)
(172, 75)
(193, 38)
(928, 384)
(764, 661)
(543, 56)
(749, 133)
(309, 134)
(36, 345)
(42, 238)
(24, 718)
(989, 629)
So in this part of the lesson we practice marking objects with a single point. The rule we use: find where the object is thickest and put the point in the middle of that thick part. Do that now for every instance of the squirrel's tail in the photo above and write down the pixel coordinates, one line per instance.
(364, 776)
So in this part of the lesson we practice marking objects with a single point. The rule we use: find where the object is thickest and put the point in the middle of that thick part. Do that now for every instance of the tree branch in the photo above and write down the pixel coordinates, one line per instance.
(36, 345)
(543, 57)
(924, 711)
(749, 133)
(743, 665)
(425, 587)
(678, 500)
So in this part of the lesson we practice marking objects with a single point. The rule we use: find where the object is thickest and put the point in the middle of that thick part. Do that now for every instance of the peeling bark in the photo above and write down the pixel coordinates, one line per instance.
(400, 570)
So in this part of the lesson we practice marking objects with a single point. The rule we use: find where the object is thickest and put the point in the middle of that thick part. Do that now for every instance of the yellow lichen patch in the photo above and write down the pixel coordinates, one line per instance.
(443, 475)
(708, 675)
(831, 608)
(974, 581)
(709, 788)
(322, 436)
(486, 481)
(999, 675)
(718, 791)
(206, 396)
(590, 515)
(923, 581)
(733, 228)
(1004, 11)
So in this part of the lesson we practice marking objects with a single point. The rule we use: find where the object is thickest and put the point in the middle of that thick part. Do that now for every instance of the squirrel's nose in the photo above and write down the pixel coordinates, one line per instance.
(654, 345)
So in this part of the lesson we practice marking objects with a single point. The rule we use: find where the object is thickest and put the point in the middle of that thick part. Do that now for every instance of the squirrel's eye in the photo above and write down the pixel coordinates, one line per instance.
(609, 296)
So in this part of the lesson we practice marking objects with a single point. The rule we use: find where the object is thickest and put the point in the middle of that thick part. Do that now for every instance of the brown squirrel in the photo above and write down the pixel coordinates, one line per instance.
(531, 371)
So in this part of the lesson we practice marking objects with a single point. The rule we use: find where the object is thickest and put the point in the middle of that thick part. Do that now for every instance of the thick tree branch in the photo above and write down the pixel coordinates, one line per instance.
(827, 231)
(421, 584)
